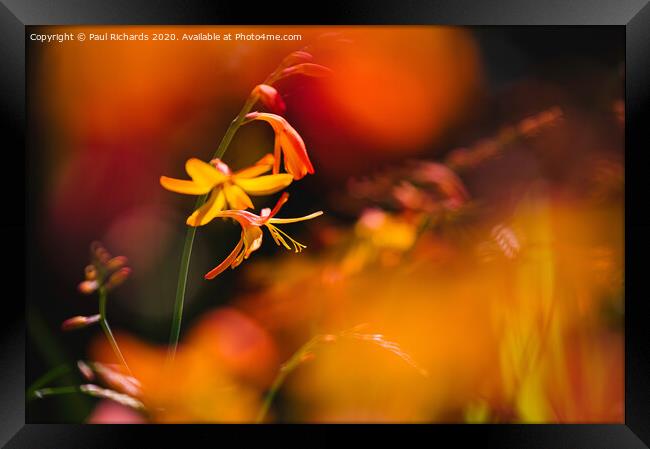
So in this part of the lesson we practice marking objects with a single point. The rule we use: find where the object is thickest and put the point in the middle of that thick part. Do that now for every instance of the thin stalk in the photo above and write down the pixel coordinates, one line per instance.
(296, 359)
(181, 286)
(54, 391)
(106, 328)
(47, 378)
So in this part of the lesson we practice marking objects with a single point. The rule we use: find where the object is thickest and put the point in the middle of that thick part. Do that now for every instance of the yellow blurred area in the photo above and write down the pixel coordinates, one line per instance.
(525, 339)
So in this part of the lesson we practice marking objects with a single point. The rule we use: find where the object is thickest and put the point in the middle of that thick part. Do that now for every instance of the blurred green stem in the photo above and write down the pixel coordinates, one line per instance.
(288, 367)
(47, 378)
(103, 295)
(54, 391)
(181, 286)
(76, 407)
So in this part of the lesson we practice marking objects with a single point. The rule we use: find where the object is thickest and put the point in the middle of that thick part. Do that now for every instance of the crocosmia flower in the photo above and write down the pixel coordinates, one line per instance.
(251, 235)
(227, 189)
(287, 140)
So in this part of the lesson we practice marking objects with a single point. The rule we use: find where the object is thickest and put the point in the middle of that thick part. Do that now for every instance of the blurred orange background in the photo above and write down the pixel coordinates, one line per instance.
(536, 337)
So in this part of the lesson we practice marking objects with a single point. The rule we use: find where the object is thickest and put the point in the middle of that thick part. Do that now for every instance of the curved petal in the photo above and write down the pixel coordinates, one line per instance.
(236, 197)
(228, 261)
(208, 211)
(258, 168)
(295, 220)
(183, 186)
(296, 160)
(203, 173)
(265, 185)
(252, 238)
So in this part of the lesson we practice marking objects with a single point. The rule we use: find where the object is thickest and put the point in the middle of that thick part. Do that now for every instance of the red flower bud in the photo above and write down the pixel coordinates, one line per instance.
(270, 98)
(118, 277)
(87, 287)
(77, 322)
(296, 57)
(116, 263)
(91, 272)
(308, 69)
(85, 370)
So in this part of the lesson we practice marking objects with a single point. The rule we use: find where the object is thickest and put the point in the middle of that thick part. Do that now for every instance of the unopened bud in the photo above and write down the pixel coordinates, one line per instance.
(87, 287)
(118, 277)
(296, 57)
(114, 379)
(116, 263)
(91, 272)
(270, 98)
(77, 322)
(85, 370)
(103, 256)
(307, 69)
(95, 246)
(124, 399)
(221, 166)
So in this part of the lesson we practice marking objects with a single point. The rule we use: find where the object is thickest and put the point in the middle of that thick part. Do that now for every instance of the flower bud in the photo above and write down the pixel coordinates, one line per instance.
(85, 370)
(296, 57)
(118, 277)
(116, 263)
(307, 69)
(124, 399)
(270, 98)
(77, 322)
(95, 246)
(103, 256)
(118, 381)
(87, 287)
(91, 272)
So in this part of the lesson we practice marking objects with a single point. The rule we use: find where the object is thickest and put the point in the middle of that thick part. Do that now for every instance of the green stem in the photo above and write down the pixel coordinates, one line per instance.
(106, 328)
(288, 367)
(37, 394)
(181, 286)
(47, 378)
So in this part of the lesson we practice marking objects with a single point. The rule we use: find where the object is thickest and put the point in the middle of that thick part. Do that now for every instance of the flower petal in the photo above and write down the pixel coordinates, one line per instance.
(296, 160)
(208, 211)
(295, 220)
(265, 185)
(260, 167)
(203, 173)
(228, 261)
(252, 237)
(182, 186)
(236, 197)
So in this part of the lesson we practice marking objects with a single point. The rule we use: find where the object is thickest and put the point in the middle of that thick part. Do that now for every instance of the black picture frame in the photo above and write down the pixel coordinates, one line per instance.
(15, 15)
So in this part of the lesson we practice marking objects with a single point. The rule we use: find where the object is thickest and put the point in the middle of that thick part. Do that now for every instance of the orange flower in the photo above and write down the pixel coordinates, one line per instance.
(228, 189)
(287, 139)
(251, 236)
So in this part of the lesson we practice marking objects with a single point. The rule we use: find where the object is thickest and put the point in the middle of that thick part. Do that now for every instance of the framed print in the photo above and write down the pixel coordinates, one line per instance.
(421, 220)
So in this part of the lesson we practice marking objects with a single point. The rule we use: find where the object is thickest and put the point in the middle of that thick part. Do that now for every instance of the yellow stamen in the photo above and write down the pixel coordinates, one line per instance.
(279, 238)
